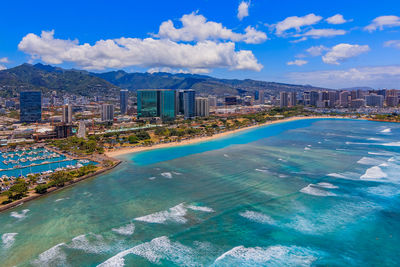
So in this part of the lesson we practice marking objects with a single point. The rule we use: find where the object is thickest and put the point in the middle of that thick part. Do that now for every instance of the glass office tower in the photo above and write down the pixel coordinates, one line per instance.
(148, 103)
(167, 104)
(156, 103)
(189, 102)
(30, 106)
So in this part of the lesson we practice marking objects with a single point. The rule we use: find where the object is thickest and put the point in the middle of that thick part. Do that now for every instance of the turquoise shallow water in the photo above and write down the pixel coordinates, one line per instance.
(303, 193)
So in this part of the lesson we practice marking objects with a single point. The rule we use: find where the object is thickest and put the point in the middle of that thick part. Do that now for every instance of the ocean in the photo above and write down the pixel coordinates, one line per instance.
(316, 192)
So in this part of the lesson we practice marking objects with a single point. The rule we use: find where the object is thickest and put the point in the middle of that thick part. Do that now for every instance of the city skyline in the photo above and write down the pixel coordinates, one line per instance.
(307, 43)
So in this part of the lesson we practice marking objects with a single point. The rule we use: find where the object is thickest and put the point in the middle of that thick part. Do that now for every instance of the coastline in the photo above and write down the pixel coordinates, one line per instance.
(34, 195)
(131, 150)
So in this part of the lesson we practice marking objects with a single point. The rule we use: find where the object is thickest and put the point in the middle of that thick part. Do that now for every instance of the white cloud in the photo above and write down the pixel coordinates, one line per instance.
(377, 76)
(393, 43)
(318, 33)
(383, 22)
(297, 62)
(4, 60)
(196, 28)
(337, 19)
(317, 50)
(243, 10)
(2, 67)
(341, 52)
(149, 52)
(296, 23)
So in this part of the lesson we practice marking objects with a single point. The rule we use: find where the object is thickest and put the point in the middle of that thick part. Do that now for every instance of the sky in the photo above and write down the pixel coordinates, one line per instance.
(334, 44)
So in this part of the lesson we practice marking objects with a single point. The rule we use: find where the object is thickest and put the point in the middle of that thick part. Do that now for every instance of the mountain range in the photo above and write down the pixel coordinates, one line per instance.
(49, 78)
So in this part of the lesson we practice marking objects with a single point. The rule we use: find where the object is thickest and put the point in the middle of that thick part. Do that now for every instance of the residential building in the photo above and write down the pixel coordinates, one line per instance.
(212, 101)
(293, 99)
(107, 112)
(30, 106)
(357, 103)
(374, 100)
(344, 98)
(67, 114)
(202, 107)
(189, 103)
(81, 130)
(123, 95)
(284, 99)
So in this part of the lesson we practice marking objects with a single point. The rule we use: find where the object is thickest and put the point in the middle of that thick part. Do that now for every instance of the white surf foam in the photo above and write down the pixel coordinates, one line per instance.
(175, 214)
(327, 185)
(387, 130)
(337, 175)
(90, 243)
(373, 173)
(20, 215)
(8, 239)
(128, 229)
(54, 256)
(226, 155)
(161, 248)
(307, 148)
(177, 173)
(369, 161)
(167, 175)
(312, 190)
(270, 256)
(262, 170)
(392, 144)
(152, 178)
(380, 153)
(200, 208)
(257, 217)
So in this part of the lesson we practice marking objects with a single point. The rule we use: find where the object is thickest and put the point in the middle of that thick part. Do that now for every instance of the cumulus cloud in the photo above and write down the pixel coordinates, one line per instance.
(196, 28)
(297, 62)
(243, 10)
(342, 52)
(376, 76)
(336, 19)
(2, 67)
(149, 52)
(296, 23)
(4, 60)
(383, 22)
(393, 43)
(317, 50)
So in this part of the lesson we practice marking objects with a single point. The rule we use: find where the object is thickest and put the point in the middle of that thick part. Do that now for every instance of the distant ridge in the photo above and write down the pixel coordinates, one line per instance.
(81, 82)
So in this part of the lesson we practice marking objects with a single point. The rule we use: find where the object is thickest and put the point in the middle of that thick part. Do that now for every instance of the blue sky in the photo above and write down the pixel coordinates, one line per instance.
(282, 41)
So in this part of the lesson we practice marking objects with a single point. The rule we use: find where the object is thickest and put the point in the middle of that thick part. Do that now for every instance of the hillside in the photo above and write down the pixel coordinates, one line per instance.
(48, 78)
(200, 83)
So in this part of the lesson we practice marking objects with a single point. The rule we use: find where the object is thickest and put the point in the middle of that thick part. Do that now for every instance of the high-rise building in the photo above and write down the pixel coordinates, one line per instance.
(212, 101)
(189, 103)
(157, 103)
(261, 97)
(107, 112)
(81, 130)
(30, 104)
(333, 97)
(344, 98)
(357, 103)
(231, 100)
(123, 97)
(67, 114)
(313, 98)
(284, 99)
(374, 100)
(292, 99)
(392, 101)
(181, 105)
(202, 107)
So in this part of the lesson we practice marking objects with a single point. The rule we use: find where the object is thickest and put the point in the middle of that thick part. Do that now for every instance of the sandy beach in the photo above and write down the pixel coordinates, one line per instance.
(129, 150)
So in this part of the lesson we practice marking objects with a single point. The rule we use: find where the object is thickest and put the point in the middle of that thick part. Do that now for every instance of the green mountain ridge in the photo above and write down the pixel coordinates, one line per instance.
(49, 78)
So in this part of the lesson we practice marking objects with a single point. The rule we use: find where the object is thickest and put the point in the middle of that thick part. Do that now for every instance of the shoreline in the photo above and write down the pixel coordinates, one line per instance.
(131, 150)
(34, 195)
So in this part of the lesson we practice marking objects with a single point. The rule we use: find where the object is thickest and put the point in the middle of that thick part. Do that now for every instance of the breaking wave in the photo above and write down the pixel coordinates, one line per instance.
(8, 239)
(20, 215)
(312, 189)
(128, 229)
(257, 217)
